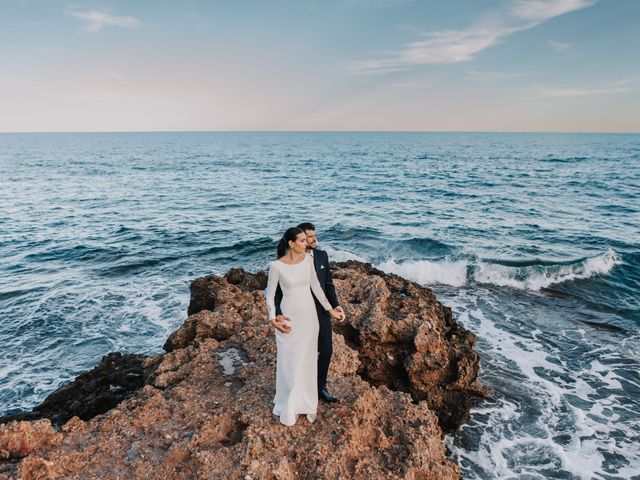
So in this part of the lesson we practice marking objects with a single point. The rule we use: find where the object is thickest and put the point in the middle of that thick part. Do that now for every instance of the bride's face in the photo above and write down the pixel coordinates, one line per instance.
(300, 244)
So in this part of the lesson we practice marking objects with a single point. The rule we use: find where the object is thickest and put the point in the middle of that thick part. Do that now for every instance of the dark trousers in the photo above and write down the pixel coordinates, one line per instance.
(325, 348)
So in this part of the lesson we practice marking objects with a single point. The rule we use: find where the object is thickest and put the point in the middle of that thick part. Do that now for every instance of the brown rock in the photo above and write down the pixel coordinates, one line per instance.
(19, 439)
(401, 366)
(409, 341)
(203, 294)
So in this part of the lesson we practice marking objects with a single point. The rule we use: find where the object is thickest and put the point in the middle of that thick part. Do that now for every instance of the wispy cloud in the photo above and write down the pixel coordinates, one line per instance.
(490, 75)
(377, 3)
(454, 46)
(543, 10)
(198, 17)
(450, 46)
(558, 92)
(405, 85)
(118, 77)
(559, 46)
(97, 20)
(580, 92)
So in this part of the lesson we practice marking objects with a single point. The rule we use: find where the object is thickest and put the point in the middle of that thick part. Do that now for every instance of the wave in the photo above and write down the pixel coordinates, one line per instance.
(421, 246)
(552, 159)
(81, 253)
(545, 398)
(345, 233)
(338, 255)
(538, 275)
(530, 275)
(425, 272)
(130, 265)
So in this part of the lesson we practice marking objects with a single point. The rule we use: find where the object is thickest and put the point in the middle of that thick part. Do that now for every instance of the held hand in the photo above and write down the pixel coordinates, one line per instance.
(280, 323)
(337, 314)
(344, 315)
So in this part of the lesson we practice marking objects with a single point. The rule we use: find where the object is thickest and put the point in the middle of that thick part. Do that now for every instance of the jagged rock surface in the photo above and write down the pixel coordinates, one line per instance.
(402, 367)
(96, 391)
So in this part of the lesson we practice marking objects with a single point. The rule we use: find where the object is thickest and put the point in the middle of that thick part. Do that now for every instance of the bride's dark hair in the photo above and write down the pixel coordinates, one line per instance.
(290, 234)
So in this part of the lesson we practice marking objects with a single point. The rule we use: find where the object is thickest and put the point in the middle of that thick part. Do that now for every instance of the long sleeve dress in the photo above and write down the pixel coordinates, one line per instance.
(297, 357)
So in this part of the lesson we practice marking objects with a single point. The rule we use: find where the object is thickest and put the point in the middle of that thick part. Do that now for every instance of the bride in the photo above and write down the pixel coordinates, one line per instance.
(297, 331)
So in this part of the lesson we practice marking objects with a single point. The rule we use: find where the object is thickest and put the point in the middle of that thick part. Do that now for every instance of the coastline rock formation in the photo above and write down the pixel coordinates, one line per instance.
(404, 370)
(96, 391)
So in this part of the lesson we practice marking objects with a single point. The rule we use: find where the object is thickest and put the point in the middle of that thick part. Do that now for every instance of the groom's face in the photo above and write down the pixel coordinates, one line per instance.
(312, 241)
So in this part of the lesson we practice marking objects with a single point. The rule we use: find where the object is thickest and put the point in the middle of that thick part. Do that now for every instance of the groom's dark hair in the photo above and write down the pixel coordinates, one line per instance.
(307, 226)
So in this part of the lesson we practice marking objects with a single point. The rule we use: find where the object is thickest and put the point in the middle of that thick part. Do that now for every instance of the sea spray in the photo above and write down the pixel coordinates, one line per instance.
(537, 277)
(425, 272)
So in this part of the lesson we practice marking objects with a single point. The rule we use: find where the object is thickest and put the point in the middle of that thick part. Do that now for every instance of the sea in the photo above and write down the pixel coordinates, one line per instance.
(533, 239)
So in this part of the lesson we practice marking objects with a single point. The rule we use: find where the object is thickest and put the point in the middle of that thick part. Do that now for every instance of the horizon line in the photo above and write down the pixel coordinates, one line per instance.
(316, 131)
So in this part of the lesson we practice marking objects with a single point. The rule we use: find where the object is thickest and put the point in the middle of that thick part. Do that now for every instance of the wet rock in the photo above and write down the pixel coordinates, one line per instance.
(203, 294)
(237, 276)
(96, 391)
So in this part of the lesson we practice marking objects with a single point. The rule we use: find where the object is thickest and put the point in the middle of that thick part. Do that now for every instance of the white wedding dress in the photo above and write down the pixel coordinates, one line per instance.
(297, 358)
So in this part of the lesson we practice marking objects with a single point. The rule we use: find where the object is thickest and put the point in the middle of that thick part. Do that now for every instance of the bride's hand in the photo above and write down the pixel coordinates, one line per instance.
(337, 314)
(280, 323)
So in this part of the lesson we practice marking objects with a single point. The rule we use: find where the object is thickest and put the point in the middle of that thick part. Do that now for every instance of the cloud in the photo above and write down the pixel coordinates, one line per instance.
(454, 46)
(580, 92)
(559, 46)
(199, 18)
(406, 85)
(490, 75)
(450, 46)
(97, 20)
(611, 88)
(541, 10)
(118, 77)
(377, 3)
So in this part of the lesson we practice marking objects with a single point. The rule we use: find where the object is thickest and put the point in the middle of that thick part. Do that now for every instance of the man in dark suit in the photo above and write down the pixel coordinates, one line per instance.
(325, 346)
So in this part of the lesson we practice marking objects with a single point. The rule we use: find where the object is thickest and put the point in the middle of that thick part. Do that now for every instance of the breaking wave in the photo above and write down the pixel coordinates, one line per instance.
(524, 275)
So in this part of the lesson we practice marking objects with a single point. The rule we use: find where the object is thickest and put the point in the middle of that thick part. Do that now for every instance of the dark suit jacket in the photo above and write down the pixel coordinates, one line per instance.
(321, 262)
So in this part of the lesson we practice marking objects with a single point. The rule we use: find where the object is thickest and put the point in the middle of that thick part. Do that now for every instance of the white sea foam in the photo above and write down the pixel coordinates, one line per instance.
(456, 272)
(341, 255)
(429, 273)
(534, 278)
(562, 420)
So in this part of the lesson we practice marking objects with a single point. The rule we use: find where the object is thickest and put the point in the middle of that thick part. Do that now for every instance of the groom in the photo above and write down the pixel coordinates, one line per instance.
(325, 348)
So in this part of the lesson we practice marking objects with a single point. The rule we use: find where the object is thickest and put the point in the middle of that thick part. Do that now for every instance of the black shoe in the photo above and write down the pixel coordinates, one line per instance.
(324, 394)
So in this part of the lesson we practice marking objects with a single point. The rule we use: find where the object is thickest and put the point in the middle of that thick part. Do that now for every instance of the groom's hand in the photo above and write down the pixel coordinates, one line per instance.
(280, 323)
(341, 311)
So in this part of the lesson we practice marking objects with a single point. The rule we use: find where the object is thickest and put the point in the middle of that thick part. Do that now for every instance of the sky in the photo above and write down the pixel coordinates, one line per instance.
(325, 65)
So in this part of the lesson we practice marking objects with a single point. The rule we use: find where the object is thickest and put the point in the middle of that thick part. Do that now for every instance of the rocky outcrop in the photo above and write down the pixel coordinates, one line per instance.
(407, 340)
(96, 391)
(404, 370)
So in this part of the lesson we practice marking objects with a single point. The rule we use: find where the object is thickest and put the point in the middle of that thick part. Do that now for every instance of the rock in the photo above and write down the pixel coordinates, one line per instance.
(19, 439)
(203, 294)
(403, 368)
(237, 276)
(94, 392)
(408, 341)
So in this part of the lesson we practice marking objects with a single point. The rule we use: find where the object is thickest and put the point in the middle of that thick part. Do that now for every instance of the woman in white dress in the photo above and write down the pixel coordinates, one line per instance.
(297, 330)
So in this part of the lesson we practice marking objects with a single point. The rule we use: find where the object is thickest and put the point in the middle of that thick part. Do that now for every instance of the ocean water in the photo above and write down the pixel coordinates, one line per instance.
(532, 239)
